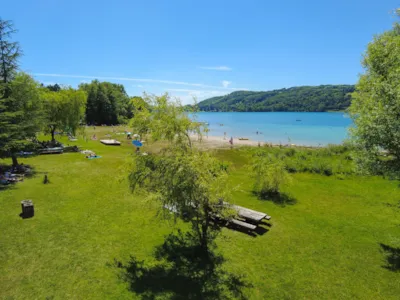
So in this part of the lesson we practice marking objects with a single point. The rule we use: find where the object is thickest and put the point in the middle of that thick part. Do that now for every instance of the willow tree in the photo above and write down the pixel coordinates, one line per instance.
(180, 177)
(375, 107)
(63, 110)
(269, 174)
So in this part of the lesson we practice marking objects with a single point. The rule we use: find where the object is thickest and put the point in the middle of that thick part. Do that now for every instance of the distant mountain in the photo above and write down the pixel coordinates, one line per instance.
(302, 98)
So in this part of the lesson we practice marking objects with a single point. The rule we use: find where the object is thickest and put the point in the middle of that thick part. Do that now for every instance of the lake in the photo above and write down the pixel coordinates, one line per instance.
(300, 128)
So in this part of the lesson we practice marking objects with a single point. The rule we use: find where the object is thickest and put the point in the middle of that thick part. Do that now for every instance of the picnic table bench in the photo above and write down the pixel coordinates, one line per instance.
(243, 224)
(51, 150)
(243, 212)
(251, 214)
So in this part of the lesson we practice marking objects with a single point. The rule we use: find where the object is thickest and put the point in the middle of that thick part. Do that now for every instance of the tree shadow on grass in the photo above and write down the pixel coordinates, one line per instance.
(281, 199)
(392, 258)
(183, 271)
(4, 187)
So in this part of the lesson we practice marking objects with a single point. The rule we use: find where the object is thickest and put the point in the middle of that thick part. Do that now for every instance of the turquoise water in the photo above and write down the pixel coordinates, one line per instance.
(301, 128)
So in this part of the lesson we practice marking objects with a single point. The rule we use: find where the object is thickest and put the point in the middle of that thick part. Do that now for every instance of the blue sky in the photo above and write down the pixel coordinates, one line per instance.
(197, 48)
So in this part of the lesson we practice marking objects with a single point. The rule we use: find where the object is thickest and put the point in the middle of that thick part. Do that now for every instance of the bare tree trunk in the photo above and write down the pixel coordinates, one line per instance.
(52, 134)
(14, 160)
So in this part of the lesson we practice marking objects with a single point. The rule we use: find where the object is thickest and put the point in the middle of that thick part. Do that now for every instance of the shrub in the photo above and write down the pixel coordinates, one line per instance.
(269, 174)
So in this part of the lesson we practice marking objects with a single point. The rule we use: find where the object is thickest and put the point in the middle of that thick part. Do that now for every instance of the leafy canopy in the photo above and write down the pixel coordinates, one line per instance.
(190, 182)
(375, 107)
(269, 174)
(20, 115)
(161, 118)
(19, 98)
(108, 103)
(63, 110)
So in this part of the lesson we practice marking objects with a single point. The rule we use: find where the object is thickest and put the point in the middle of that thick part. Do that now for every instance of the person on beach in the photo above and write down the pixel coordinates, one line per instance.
(231, 141)
(224, 135)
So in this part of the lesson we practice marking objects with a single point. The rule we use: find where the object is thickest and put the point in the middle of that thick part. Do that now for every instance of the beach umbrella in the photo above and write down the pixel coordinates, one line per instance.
(137, 143)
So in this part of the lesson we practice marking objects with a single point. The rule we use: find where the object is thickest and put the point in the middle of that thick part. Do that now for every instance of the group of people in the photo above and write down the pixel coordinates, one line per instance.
(14, 174)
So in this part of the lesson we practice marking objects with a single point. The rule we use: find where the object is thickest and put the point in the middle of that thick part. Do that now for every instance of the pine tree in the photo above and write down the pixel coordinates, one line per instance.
(19, 99)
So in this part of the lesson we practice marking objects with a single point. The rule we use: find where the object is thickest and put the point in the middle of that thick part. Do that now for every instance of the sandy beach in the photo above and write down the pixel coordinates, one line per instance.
(220, 142)
(214, 142)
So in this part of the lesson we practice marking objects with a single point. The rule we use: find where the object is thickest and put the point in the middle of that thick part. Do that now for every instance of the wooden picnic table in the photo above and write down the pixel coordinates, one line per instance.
(243, 212)
(250, 214)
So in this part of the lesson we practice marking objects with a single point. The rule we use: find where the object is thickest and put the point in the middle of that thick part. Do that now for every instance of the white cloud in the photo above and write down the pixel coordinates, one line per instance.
(225, 83)
(218, 68)
(198, 85)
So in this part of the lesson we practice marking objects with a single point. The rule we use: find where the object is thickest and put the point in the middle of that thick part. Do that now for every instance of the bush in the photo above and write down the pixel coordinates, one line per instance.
(269, 174)
(290, 152)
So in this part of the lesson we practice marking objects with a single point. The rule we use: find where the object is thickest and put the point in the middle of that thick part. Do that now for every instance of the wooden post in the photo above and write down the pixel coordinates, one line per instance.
(27, 209)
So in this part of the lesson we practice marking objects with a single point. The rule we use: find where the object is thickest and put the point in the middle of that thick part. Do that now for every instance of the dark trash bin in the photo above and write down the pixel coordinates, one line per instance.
(27, 209)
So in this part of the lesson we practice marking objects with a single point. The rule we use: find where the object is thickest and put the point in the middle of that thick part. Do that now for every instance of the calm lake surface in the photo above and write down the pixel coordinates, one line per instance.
(301, 128)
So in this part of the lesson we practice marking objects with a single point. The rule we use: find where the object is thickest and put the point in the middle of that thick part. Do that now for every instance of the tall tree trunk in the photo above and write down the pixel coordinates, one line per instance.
(52, 135)
(14, 160)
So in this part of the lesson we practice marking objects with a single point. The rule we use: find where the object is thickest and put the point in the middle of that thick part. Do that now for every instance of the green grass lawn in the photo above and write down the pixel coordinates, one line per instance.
(326, 245)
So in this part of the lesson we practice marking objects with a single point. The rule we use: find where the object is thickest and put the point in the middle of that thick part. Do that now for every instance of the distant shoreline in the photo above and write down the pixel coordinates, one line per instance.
(230, 111)
(217, 142)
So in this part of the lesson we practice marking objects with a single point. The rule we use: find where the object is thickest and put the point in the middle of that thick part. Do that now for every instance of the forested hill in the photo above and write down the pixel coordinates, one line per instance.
(303, 98)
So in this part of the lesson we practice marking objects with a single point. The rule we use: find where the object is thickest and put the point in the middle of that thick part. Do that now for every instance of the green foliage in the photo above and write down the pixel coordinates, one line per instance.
(190, 182)
(9, 55)
(167, 120)
(304, 98)
(108, 103)
(375, 107)
(19, 99)
(53, 87)
(269, 174)
(330, 160)
(63, 110)
(19, 116)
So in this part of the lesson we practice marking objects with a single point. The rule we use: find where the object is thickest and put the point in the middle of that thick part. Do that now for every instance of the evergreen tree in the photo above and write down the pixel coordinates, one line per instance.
(20, 116)
(9, 54)
(19, 98)
(108, 103)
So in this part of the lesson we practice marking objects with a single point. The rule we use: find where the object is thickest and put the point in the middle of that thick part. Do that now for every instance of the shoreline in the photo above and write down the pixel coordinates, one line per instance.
(219, 142)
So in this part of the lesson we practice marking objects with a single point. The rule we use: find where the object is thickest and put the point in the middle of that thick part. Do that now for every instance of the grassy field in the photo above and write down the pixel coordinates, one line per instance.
(335, 239)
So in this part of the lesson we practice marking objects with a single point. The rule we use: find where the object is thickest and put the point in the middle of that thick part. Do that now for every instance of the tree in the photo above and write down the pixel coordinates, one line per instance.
(19, 100)
(167, 120)
(54, 87)
(192, 185)
(108, 103)
(63, 110)
(181, 178)
(20, 116)
(269, 174)
(9, 54)
(375, 107)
